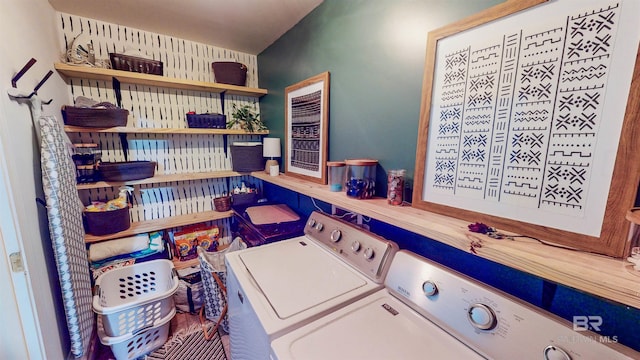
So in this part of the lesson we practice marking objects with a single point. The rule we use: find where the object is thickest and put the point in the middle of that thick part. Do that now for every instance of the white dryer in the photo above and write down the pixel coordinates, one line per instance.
(427, 311)
(278, 287)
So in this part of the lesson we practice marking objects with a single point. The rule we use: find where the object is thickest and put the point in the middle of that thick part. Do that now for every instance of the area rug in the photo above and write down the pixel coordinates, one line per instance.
(189, 344)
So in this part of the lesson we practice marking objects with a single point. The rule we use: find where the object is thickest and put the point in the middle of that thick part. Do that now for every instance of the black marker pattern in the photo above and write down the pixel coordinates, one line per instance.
(450, 120)
(519, 114)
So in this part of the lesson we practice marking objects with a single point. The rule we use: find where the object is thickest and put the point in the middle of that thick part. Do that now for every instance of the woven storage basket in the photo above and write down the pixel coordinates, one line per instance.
(229, 72)
(207, 121)
(247, 158)
(94, 117)
(135, 64)
(134, 297)
(133, 345)
(222, 203)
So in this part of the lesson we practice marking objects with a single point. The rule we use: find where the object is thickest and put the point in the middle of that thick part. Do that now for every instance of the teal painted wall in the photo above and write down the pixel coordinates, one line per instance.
(375, 52)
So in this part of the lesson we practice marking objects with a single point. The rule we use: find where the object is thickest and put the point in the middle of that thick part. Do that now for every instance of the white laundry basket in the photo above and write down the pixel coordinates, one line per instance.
(135, 297)
(133, 345)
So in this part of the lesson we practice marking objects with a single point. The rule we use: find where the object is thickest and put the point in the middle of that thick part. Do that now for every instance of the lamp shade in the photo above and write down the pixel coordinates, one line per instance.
(271, 147)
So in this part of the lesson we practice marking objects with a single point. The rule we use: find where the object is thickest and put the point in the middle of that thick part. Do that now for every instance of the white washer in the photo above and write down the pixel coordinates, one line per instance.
(427, 311)
(275, 288)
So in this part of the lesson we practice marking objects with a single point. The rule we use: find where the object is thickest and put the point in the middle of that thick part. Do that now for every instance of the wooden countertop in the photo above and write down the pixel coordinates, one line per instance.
(603, 276)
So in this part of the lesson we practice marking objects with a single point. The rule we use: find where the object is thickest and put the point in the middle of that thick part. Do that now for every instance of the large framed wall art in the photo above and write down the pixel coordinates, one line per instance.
(529, 121)
(307, 128)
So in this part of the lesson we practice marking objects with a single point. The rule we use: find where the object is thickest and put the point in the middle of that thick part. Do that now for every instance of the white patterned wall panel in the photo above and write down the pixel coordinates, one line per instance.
(158, 107)
(181, 58)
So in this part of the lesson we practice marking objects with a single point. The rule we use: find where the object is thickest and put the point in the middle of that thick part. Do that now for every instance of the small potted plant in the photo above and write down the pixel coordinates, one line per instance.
(246, 119)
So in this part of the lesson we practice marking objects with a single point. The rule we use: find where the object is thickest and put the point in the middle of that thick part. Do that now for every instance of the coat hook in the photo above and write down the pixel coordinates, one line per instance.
(25, 68)
(44, 79)
(18, 95)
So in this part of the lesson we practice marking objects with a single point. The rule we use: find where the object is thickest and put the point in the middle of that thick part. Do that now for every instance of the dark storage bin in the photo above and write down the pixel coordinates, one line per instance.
(135, 64)
(94, 117)
(107, 222)
(254, 235)
(229, 72)
(126, 170)
(207, 121)
(244, 199)
(247, 158)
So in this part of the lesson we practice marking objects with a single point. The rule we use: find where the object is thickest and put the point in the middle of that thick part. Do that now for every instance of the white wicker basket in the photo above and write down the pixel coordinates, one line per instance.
(134, 297)
(134, 345)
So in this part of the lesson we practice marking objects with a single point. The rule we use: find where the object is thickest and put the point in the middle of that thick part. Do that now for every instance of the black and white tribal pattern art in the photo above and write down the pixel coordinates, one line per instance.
(516, 117)
(306, 111)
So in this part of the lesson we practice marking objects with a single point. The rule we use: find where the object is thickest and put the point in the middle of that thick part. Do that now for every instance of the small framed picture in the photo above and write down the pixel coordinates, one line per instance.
(307, 128)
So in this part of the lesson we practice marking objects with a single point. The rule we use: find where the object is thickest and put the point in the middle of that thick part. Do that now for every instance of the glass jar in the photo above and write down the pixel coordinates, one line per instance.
(361, 178)
(395, 186)
(336, 175)
(86, 157)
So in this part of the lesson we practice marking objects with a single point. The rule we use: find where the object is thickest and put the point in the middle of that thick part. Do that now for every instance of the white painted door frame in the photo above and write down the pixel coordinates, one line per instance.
(20, 333)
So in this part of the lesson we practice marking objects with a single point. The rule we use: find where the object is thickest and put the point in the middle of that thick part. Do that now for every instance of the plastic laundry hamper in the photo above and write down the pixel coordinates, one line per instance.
(134, 345)
(132, 298)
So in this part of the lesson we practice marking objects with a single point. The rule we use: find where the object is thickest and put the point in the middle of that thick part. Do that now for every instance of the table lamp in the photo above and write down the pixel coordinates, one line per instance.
(271, 150)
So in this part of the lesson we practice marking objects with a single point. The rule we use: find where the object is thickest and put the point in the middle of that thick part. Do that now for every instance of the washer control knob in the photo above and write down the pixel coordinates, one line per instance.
(482, 317)
(320, 226)
(553, 352)
(429, 288)
(311, 222)
(355, 246)
(368, 253)
(336, 235)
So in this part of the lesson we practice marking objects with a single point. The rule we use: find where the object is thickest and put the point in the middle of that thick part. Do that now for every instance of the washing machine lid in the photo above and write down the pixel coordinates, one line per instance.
(378, 326)
(297, 275)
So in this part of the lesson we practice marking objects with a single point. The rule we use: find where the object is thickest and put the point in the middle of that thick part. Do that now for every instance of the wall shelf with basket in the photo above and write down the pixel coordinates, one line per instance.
(184, 148)
(161, 224)
(158, 179)
(127, 77)
(136, 130)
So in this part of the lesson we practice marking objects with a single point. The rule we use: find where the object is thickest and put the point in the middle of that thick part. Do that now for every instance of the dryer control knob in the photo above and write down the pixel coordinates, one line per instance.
(482, 317)
(355, 246)
(311, 222)
(368, 253)
(320, 227)
(336, 235)
(429, 288)
(552, 352)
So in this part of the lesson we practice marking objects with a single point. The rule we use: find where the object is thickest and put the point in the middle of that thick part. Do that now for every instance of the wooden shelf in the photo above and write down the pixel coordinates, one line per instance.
(161, 179)
(161, 224)
(85, 72)
(185, 264)
(600, 275)
(133, 130)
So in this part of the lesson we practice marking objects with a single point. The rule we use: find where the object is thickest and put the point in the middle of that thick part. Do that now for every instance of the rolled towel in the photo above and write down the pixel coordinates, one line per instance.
(106, 249)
